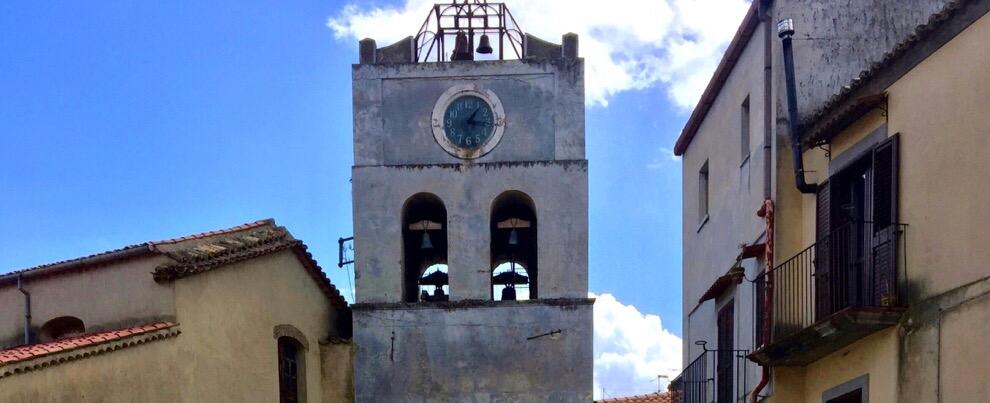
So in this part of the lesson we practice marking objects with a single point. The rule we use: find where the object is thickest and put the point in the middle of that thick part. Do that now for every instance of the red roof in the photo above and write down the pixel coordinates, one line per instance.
(31, 351)
(665, 397)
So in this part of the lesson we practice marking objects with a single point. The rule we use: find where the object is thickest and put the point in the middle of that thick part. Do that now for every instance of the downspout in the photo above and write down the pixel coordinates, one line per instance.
(27, 309)
(766, 211)
(785, 29)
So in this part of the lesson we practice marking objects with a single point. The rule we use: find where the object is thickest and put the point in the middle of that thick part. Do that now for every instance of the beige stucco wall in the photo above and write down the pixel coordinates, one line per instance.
(142, 373)
(939, 109)
(228, 351)
(118, 295)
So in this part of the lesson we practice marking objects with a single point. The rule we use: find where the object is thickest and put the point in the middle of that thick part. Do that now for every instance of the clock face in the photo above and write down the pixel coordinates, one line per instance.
(468, 122)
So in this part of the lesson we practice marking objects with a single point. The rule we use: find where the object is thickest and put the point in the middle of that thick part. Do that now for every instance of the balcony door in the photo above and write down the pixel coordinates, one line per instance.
(855, 263)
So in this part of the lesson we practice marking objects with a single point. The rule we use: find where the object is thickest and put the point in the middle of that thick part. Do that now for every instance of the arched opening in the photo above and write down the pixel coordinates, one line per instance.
(291, 371)
(424, 241)
(62, 327)
(514, 255)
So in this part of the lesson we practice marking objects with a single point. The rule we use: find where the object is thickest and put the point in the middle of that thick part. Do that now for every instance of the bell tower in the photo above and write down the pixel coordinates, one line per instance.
(470, 194)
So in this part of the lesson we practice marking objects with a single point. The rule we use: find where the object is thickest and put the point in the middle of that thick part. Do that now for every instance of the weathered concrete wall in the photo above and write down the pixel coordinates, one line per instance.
(544, 106)
(142, 373)
(471, 349)
(337, 360)
(228, 350)
(835, 40)
(478, 354)
(560, 193)
(120, 295)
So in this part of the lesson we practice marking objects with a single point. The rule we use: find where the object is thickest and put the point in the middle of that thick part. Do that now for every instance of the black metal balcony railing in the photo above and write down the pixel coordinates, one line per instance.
(855, 266)
(715, 376)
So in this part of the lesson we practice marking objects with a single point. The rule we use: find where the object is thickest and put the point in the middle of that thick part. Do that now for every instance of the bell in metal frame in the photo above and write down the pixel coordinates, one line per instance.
(485, 45)
(461, 49)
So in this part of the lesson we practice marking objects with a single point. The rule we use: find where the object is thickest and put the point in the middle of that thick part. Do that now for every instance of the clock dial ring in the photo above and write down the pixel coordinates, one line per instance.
(468, 121)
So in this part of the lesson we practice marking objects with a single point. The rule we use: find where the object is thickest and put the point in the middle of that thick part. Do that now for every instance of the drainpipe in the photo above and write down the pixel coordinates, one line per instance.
(785, 29)
(766, 212)
(27, 309)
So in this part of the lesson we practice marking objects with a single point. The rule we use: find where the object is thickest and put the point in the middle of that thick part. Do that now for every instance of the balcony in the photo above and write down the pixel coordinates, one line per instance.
(715, 376)
(837, 291)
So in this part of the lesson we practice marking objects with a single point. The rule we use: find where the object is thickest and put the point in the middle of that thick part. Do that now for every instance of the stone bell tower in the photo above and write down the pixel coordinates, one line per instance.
(470, 192)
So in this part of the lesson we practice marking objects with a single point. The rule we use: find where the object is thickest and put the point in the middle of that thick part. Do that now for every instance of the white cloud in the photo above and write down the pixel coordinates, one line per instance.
(631, 349)
(666, 156)
(627, 44)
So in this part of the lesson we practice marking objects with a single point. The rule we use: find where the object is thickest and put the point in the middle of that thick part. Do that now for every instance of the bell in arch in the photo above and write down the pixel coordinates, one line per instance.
(509, 294)
(426, 241)
(485, 45)
(513, 237)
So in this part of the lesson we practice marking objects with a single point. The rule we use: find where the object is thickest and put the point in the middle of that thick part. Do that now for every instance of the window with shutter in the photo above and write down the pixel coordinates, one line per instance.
(884, 208)
(823, 250)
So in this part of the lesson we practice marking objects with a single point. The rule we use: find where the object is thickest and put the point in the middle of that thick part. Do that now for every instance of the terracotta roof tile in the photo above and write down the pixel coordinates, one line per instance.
(665, 397)
(22, 353)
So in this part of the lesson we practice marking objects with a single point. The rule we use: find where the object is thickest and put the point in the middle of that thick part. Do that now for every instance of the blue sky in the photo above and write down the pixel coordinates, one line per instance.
(124, 122)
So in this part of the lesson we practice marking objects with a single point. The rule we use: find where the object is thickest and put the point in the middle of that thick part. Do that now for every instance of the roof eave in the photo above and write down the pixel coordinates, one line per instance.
(721, 74)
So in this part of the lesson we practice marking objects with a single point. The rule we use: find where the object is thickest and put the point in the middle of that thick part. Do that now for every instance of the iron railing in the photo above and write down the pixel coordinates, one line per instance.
(854, 266)
(715, 376)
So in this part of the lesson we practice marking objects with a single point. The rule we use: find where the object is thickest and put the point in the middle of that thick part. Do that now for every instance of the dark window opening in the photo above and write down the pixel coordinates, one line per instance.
(62, 327)
(744, 130)
(855, 396)
(703, 193)
(291, 371)
(514, 247)
(424, 241)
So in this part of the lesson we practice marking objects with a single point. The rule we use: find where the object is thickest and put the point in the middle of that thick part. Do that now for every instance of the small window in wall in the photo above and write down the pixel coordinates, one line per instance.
(744, 130)
(62, 327)
(291, 371)
(703, 194)
(424, 242)
(514, 247)
(854, 391)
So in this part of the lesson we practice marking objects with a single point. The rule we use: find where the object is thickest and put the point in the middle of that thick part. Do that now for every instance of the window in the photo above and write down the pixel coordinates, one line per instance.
(513, 247)
(703, 194)
(62, 327)
(744, 131)
(854, 391)
(424, 241)
(291, 371)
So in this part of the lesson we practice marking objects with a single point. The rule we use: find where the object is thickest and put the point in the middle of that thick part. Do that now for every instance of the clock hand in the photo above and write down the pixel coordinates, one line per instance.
(470, 119)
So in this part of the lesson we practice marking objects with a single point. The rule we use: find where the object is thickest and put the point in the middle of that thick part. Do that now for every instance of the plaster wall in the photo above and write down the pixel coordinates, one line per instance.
(228, 349)
(559, 190)
(142, 373)
(119, 295)
(736, 183)
(481, 354)
(935, 108)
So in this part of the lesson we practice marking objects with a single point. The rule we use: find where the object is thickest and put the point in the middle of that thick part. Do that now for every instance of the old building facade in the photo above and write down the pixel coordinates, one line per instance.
(861, 283)
(470, 204)
(241, 314)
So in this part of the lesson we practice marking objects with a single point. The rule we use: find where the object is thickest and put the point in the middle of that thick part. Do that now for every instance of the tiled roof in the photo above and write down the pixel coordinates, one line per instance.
(244, 246)
(239, 243)
(126, 252)
(665, 397)
(921, 36)
(41, 355)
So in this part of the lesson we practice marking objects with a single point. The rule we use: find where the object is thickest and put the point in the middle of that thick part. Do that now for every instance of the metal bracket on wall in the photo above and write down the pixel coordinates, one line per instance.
(345, 251)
